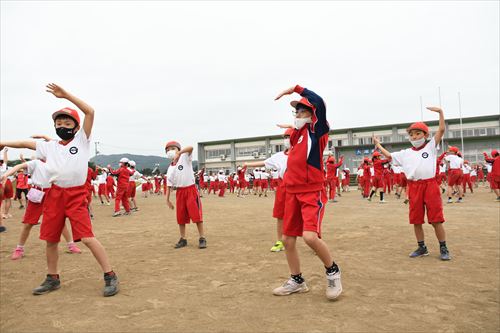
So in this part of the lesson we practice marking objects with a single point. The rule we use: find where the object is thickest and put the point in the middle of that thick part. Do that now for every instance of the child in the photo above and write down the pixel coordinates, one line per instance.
(305, 192)
(419, 164)
(378, 182)
(67, 163)
(494, 175)
(123, 174)
(264, 181)
(332, 175)
(21, 187)
(466, 170)
(136, 175)
(346, 179)
(110, 185)
(34, 210)
(241, 180)
(180, 175)
(101, 185)
(455, 164)
(8, 189)
(222, 183)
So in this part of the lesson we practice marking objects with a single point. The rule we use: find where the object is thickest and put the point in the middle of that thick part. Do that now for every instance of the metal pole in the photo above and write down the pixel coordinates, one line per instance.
(461, 129)
(96, 150)
(441, 106)
(421, 109)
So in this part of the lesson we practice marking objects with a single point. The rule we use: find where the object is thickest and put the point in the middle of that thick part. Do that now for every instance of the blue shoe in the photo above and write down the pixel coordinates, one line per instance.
(445, 255)
(421, 251)
(2, 228)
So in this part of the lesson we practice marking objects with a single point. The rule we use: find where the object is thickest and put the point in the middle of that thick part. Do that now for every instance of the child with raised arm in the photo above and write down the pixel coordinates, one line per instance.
(306, 198)
(419, 164)
(67, 162)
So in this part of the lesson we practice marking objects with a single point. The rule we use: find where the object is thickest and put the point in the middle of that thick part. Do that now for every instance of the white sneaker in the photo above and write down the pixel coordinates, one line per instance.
(450, 201)
(290, 287)
(382, 201)
(334, 285)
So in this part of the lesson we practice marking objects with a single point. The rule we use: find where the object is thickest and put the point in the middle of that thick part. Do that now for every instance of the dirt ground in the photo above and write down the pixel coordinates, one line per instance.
(227, 287)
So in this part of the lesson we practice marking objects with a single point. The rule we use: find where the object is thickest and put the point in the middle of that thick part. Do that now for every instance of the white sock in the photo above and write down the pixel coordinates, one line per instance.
(20, 246)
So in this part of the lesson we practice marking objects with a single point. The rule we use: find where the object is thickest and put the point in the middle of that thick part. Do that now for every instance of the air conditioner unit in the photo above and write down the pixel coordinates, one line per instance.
(255, 155)
(223, 157)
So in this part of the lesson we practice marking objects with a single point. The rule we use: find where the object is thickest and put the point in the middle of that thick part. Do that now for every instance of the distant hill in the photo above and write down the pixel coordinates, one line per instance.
(142, 161)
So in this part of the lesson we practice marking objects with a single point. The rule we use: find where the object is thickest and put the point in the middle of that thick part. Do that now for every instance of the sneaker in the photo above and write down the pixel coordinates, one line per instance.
(406, 201)
(382, 201)
(334, 285)
(498, 199)
(50, 284)
(202, 243)
(2, 228)
(18, 253)
(278, 247)
(369, 199)
(181, 243)
(459, 200)
(290, 287)
(127, 213)
(419, 252)
(445, 254)
(111, 285)
(72, 248)
(108, 204)
(398, 195)
(449, 201)
(116, 214)
(21, 207)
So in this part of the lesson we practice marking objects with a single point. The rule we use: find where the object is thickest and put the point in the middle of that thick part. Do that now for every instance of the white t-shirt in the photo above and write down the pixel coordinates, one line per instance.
(275, 174)
(135, 176)
(39, 174)
(212, 178)
(397, 169)
(372, 171)
(456, 162)
(235, 178)
(360, 172)
(66, 164)
(473, 173)
(442, 168)
(205, 179)
(3, 168)
(418, 164)
(466, 169)
(181, 174)
(101, 179)
(222, 178)
(277, 161)
(489, 167)
(256, 174)
(264, 175)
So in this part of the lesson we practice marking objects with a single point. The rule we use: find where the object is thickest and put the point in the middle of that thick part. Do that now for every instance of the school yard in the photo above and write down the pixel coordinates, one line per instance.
(227, 287)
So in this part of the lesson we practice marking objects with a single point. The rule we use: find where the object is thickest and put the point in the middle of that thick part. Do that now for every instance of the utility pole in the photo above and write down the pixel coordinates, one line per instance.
(96, 150)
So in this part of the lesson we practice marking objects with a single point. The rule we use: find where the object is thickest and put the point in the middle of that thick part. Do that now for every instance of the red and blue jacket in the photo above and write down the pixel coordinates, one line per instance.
(305, 171)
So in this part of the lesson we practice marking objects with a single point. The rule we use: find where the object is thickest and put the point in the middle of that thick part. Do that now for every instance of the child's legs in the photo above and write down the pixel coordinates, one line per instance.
(66, 234)
(292, 255)
(182, 230)
(419, 232)
(199, 225)
(439, 230)
(319, 246)
(117, 201)
(25, 232)
(279, 228)
(52, 257)
(99, 252)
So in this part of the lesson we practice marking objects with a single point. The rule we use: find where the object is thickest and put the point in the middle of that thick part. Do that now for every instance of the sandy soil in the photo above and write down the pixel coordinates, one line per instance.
(227, 287)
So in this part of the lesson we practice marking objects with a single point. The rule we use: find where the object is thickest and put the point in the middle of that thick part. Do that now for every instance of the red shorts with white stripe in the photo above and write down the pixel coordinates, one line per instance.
(279, 200)
(61, 203)
(102, 189)
(454, 177)
(188, 205)
(34, 210)
(425, 196)
(304, 212)
(131, 189)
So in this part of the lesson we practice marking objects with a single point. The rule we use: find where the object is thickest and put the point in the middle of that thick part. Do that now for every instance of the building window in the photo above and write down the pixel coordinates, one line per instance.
(249, 151)
(385, 138)
(278, 148)
(216, 153)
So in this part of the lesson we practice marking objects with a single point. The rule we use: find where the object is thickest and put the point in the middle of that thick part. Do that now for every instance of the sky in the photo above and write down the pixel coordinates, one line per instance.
(200, 71)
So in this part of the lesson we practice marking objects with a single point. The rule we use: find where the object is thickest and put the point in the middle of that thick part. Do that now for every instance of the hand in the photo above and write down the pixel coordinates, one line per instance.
(21, 157)
(57, 91)
(5, 149)
(170, 205)
(284, 126)
(289, 91)
(434, 109)
(41, 136)
(109, 166)
(245, 165)
(375, 139)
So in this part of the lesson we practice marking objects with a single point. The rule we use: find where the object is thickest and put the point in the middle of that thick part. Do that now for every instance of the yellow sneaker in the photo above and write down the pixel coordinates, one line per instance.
(278, 247)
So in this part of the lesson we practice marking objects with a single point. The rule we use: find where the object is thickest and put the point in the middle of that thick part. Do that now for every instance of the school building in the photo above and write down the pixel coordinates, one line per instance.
(479, 134)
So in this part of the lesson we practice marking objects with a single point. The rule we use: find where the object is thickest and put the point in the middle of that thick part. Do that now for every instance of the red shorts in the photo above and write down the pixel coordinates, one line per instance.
(102, 189)
(279, 201)
(378, 182)
(8, 191)
(188, 204)
(131, 189)
(264, 183)
(425, 195)
(495, 182)
(397, 178)
(345, 181)
(256, 183)
(89, 195)
(442, 177)
(454, 177)
(243, 184)
(61, 203)
(144, 187)
(1, 195)
(34, 210)
(304, 212)
(404, 182)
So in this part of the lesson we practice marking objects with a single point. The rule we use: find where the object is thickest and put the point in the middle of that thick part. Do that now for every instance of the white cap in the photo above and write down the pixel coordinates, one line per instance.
(263, 169)
(123, 160)
(132, 163)
(239, 168)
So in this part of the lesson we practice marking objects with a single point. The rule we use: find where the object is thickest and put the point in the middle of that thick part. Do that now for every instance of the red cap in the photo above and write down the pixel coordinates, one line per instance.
(376, 154)
(366, 159)
(330, 159)
(453, 149)
(494, 152)
(418, 126)
(288, 132)
(173, 144)
(303, 101)
(67, 112)
(466, 162)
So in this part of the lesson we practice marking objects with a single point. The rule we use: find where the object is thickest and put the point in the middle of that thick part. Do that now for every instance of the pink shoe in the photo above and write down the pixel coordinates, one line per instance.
(72, 248)
(18, 253)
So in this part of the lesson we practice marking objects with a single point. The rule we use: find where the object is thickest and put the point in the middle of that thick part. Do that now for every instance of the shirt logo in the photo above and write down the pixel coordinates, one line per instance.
(73, 150)
(180, 167)
(425, 154)
(300, 139)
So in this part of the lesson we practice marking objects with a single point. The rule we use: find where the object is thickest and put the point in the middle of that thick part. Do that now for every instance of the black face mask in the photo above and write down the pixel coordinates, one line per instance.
(65, 133)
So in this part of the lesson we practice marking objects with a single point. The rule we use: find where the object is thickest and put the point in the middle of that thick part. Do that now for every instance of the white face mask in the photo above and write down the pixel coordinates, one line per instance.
(286, 143)
(300, 122)
(170, 154)
(417, 143)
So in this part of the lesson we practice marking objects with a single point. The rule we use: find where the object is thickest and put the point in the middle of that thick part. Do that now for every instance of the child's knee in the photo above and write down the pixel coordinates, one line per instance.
(310, 237)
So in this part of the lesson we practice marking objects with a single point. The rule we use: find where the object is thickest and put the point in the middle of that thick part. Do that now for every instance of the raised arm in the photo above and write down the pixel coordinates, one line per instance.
(379, 146)
(87, 110)
(12, 171)
(440, 132)
(28, 144)
(253, 164)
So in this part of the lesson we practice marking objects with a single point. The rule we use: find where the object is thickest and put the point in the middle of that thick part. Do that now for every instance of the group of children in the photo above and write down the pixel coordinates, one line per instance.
(60, 187)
